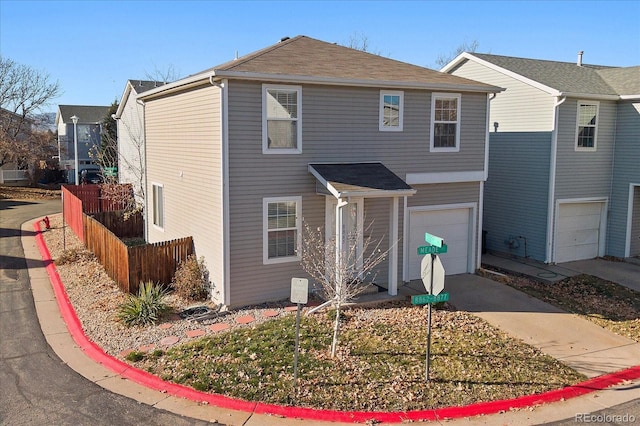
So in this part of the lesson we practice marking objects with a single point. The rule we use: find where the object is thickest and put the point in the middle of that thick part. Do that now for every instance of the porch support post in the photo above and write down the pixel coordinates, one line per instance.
(393, 247)
(339, 239)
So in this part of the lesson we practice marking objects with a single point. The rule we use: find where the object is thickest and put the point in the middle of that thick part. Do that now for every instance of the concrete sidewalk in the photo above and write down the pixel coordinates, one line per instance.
(567, 337)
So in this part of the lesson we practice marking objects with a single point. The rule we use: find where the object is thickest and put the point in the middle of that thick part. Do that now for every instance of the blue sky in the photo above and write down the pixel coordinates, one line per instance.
(93, 47)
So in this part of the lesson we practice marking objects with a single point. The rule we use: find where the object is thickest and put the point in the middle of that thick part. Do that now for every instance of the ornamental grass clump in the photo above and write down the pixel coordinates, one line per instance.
(144, 308)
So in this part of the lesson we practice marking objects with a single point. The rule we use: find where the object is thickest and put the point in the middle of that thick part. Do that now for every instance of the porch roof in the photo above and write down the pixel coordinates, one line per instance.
(345, 180)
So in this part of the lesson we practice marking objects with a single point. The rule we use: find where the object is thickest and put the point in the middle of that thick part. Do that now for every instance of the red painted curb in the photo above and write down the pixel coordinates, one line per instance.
(142, 377)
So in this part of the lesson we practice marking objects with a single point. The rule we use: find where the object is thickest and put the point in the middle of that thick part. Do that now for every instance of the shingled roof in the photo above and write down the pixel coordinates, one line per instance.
(140, 86)
(567, 77)
(87, 114)
(303, 59)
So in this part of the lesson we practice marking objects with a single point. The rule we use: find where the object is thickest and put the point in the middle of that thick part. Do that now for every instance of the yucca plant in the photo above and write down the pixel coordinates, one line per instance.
(144, 308)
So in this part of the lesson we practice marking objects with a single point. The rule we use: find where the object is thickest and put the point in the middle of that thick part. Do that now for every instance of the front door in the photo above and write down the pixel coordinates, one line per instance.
(352, 216)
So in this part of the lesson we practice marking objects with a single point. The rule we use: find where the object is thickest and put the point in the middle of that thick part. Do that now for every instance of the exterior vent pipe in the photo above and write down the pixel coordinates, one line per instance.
(580, 53)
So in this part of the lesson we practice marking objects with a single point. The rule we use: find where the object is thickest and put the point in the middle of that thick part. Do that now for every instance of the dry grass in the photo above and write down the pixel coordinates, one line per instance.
(27, 193)
(380, 364)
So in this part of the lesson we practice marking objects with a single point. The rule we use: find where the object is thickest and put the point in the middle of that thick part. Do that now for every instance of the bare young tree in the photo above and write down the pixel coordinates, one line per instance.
(340, 273)
(108, 159)
(167, 75)
(359, 41)
(23, 92)
(132, 162)
(443, 59)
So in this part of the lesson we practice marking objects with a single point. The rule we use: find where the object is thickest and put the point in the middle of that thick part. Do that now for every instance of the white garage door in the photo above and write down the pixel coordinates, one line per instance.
(453, 226)
(578, 231)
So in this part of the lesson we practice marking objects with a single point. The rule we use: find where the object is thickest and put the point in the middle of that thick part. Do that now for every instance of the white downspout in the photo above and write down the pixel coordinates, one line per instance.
(225, 243)
(490, 97)
(549, 255)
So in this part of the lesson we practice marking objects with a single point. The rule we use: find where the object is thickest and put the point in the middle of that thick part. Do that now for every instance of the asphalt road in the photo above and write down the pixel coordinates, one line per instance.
(36, 387)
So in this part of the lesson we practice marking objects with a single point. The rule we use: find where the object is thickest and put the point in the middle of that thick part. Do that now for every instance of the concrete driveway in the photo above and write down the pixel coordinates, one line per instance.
(623, 273)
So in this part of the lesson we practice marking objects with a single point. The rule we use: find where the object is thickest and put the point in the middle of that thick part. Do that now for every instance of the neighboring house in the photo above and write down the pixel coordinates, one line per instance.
(131, 135)
(238, 155)
(88, 133)
(564, 174)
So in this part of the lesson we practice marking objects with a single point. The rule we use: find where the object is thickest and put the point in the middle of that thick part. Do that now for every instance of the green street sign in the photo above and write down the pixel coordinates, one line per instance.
(423, 299)
(432, 249)
(433, 240)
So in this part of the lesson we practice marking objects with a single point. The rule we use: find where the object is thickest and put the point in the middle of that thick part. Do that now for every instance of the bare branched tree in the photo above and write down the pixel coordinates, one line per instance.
(107, 158)
(359, 41)
(341, 274)
(443, 59)
(23, 92)
(131, 162)
(167, 75)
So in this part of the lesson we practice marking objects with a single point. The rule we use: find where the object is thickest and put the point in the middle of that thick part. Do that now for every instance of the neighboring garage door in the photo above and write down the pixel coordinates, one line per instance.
(453, 226)
(579, 231)
(634, 249)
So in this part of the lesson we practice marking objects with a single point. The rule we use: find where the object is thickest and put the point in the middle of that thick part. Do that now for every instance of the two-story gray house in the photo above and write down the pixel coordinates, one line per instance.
(564, 157)
(237, 156)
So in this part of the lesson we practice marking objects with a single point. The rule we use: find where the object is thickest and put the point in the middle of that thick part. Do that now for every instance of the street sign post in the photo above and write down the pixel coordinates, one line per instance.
(433, 240)
(422, 250)
(423, 299)
(433, 279)
(299, 295)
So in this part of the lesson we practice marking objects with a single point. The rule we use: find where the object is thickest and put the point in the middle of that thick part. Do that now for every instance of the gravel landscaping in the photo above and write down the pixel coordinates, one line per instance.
(95, 298)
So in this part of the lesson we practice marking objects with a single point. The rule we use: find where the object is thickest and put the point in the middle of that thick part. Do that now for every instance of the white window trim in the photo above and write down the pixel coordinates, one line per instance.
(435, 96)
(265, 135)
(595, 131)
(154, 200)
(265, 229)
(381, 125)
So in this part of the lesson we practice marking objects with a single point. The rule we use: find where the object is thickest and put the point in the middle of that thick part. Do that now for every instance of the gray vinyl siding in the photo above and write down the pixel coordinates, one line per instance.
(339, 124)
(626, 171)
(517, 189)
(581, 174)
(520, 108)
(184, 155)
(516, 193)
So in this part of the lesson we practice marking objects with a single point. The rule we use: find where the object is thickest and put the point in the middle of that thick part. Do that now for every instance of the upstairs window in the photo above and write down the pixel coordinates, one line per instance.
(282, 228)
(158, 205)
(587, 126)
(445, 122)
(391, 111)
(281, 111)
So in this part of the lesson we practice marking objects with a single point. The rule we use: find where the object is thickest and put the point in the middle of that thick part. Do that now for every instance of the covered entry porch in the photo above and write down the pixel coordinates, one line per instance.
(346, 187)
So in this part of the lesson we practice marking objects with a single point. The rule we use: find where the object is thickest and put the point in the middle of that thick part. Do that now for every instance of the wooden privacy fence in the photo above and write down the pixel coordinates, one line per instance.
(72, 211)
(129, 266)
(114, 221)
(78, 199)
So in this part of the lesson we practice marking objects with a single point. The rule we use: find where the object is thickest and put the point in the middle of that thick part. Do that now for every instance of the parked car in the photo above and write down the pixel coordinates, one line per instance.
(91, 176)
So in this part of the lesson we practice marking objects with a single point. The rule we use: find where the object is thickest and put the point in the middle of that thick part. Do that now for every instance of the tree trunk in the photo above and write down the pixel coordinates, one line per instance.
(336, 329)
